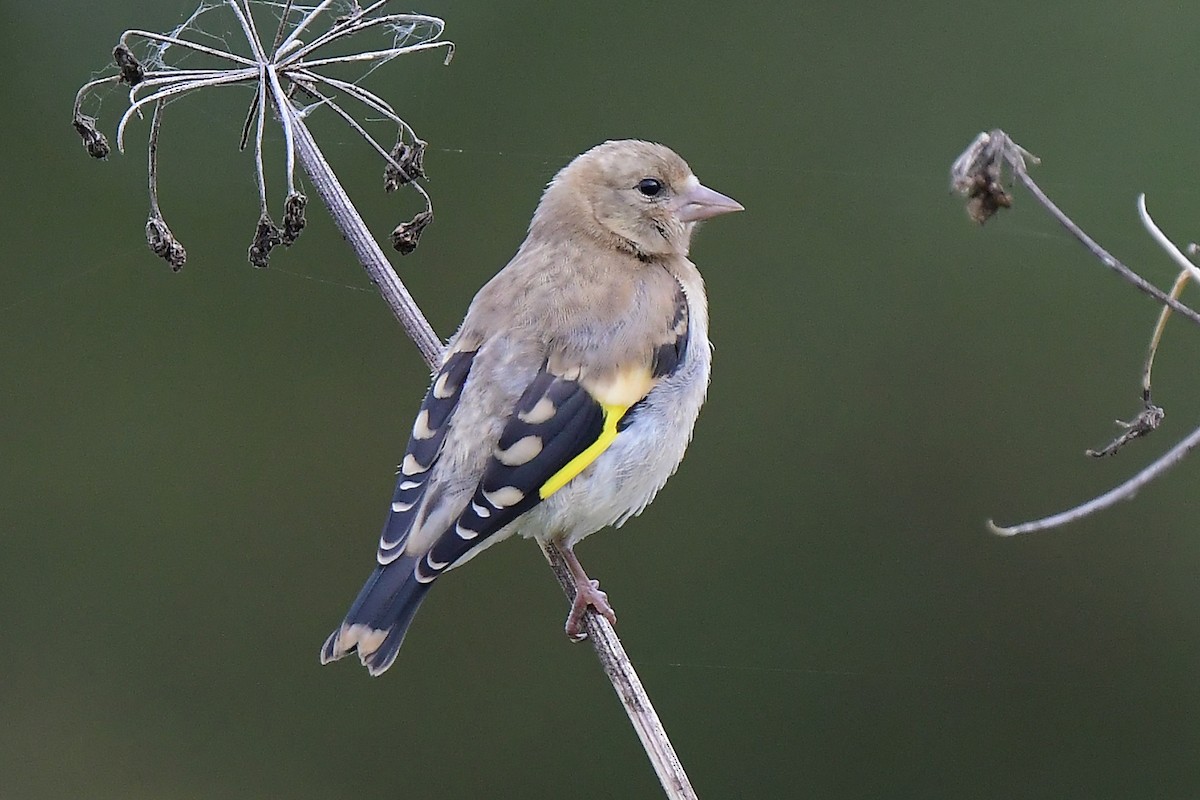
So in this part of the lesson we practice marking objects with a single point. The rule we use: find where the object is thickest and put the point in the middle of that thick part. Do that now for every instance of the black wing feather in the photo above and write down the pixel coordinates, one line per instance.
(575, 424)
(433, 418)
(670, 355)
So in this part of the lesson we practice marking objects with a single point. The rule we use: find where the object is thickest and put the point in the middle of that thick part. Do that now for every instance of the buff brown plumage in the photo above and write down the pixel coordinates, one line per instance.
(567, 397)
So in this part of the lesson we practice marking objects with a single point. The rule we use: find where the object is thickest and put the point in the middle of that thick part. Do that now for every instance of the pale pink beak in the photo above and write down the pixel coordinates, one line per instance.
(699, 202)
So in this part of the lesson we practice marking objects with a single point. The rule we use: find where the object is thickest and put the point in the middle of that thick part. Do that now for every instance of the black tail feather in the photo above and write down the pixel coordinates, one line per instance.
(379, 617)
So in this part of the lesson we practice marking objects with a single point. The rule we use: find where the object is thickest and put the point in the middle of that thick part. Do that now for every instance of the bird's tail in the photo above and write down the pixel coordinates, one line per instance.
(380, 616)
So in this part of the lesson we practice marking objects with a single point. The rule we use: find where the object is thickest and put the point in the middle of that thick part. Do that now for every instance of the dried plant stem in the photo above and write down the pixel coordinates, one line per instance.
(1156, 337)
(977, 174)
(1187, 271)
(1152, 416)
(1106, 258)
(613, 659)
(152, 160)
(619, 669)
(1126, 491)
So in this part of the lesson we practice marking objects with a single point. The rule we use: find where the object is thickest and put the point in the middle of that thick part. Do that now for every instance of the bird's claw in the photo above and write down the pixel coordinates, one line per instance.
(587, 593)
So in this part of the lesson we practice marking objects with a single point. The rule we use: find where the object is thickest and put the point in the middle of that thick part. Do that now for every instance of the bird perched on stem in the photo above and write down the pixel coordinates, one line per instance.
(566, 398)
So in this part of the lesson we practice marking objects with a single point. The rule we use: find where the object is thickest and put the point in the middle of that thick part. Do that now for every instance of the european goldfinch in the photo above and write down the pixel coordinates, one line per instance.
(566, 398)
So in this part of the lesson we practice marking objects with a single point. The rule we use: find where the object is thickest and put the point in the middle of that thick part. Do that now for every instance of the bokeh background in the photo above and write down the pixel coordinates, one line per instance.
(195, 466)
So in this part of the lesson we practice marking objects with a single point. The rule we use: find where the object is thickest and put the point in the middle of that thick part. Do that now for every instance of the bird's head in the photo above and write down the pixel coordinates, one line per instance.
(639, 196)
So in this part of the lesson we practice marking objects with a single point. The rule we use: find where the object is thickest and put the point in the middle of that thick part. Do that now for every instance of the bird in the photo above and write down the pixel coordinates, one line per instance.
(566, 398)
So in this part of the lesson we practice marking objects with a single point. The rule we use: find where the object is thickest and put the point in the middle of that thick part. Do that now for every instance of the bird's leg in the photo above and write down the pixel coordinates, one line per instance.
(587, 593)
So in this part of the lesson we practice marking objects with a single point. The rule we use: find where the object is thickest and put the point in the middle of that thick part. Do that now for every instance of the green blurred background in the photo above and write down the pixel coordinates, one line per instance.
(196, 466)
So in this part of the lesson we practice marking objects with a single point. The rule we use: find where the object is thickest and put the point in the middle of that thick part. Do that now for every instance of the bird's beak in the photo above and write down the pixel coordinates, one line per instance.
(699, 202)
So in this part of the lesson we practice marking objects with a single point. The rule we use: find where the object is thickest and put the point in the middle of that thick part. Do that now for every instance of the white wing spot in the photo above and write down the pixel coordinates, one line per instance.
(504, 497)
(521, 452)
(400, 508)
(406, 485)
(442, 388)
(435, 565)
(422, 577)
(541, 411)
(464, 533)
(483, 512)
(411, 466)
(421, 429)
(388, 552)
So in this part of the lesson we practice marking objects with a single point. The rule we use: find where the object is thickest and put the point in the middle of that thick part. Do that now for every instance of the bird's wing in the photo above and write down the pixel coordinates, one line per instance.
(424, 449)
(560, 425)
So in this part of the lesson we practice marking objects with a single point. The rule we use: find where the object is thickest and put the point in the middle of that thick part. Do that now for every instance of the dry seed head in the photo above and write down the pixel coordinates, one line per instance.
(164, 244)
(132, 71)
(293, 218)
(93, 140)
(411, 158)
(266, 238)
(407, 235)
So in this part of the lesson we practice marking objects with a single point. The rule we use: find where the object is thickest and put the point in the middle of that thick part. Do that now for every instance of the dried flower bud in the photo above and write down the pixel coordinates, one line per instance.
(132, 71)
(985, 197)
(93, 140)
(411, 160)
(408, 234)
(164, 244)
(266, 239)
(293, 218)
(977, 174)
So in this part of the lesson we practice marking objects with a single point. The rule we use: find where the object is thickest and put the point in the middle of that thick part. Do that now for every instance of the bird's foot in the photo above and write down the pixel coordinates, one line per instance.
(587, 593)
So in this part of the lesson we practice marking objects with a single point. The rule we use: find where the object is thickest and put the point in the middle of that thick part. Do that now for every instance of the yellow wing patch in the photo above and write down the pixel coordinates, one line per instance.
(616, 395)
(612, 416)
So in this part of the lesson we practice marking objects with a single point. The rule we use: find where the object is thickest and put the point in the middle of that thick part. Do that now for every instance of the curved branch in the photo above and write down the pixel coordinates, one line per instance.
(1125, 491)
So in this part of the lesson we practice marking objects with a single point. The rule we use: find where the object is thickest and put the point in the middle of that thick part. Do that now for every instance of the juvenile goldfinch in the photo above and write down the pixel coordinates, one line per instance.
(566, 398)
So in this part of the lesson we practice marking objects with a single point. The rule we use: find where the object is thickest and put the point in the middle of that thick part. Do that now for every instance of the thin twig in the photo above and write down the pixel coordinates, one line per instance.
(1125, 491)
(260, 175)
(289, 137)
(281, 28)
(1188, 271)
(183, 87)
(977, 174)
(1147, 421)
(1162, 241)
(305, 20)
(175, 41)
(361, 23)
(152, 159)
(619, 669)
(159, 238)
(365, 97)
(375, 55)
(613, 659)
(1105, 257)
(980, 163)
(1156, 336)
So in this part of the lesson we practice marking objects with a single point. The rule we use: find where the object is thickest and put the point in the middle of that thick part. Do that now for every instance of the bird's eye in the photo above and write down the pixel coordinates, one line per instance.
(649, 187)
